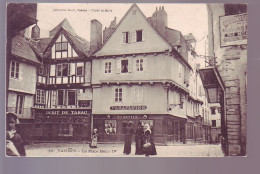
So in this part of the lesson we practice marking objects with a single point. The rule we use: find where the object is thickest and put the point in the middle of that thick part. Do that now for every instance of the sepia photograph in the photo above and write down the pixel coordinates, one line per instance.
(126, 80)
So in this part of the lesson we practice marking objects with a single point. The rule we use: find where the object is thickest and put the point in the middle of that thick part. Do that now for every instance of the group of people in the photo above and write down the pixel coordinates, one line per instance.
(143, 139)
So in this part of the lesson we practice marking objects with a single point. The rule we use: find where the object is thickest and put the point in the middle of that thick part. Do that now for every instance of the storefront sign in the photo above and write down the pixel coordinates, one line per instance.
(128, 107)
(233, 30)
(84, 103)
(67, 112)
(127, 117)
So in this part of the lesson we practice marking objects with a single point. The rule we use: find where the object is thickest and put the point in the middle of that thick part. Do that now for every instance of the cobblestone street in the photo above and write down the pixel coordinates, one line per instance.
(116, 150)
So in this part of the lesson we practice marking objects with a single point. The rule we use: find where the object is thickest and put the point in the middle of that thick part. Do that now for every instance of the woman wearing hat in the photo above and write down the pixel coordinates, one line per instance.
(14, 142)
(149, 147)
(128, 138)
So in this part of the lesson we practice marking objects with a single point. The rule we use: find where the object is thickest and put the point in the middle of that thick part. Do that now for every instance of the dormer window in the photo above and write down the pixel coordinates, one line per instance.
(61, 47)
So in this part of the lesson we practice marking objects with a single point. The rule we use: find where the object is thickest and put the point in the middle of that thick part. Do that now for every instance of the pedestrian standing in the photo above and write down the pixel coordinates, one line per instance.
(128, 138)
(149, 147)
(139, 137)
(93, 143)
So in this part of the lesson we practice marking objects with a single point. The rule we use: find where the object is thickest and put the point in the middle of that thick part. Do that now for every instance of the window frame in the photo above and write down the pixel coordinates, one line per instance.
(139, 63)
(40, 96)
(139, 33)
(62, 50)
(118, 97)
(15, 70)
(127, 66)
(20, 98)
(108, 67)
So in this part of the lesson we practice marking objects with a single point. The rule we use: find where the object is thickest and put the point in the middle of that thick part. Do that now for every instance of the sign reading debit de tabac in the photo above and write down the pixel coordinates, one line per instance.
(233, 29)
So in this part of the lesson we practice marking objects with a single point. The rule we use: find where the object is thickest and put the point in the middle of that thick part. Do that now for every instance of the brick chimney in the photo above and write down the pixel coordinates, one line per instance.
(95, 35)
(107, 31)
(159, 20)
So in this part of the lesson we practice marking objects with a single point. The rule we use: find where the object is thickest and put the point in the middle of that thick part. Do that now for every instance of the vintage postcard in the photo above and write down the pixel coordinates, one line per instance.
(126, 80)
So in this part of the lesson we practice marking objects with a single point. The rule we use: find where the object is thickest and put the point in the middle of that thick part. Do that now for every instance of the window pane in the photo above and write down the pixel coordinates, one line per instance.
(110, 126)
(139, 36)
(58, 55)
(71, 97)
(59, 67)
(17, 70)
(60, 97)
(124, 66)
(65, 46)
(65, 70)
(58, 47)
(64, 54)
(79, 71)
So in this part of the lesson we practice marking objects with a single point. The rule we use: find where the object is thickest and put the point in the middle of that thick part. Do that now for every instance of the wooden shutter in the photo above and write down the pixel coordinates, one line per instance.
(134, 36)
(118, 66)
(145, 64)
(130, 65)
(143, 35)
(129, 37)
(123, 38)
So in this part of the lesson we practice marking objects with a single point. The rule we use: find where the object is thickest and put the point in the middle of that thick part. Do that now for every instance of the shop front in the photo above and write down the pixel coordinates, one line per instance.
(112, 128)
(62, 125)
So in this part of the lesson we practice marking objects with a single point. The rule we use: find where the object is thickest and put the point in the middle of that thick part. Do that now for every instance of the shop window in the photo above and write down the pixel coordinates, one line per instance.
(139, 65)
(110, 126)
(40, 96)
(19, 103)
(108, 67)
(214, 123)
(124, 66)
(149, 122)
(118, 95)
(14, 69)
(65, 130)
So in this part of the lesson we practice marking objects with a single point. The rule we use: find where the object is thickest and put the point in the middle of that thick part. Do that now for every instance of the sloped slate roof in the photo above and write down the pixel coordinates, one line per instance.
(43, 43)
(80, 43)
(24, 48)
(64, 24)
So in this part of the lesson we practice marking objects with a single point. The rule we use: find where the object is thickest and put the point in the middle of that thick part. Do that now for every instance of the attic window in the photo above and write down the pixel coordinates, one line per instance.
(139, 34)
(60, 48)
(133, 12)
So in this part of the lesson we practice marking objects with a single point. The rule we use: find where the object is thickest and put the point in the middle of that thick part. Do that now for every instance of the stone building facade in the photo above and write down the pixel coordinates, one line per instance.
(232, 65)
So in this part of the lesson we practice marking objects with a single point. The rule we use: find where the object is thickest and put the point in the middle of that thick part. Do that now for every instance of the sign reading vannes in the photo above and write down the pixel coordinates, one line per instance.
(233, 30)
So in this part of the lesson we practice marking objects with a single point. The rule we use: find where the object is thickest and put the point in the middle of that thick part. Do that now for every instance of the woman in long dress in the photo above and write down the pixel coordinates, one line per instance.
(149, 147)
(139, 139)
(128, 138)
(93, 143)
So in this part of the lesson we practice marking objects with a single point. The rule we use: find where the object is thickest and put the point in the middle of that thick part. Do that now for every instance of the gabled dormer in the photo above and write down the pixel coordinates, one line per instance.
(67, 56)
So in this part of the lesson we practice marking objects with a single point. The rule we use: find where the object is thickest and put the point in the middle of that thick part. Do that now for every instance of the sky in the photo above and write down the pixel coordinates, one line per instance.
(187, 18)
